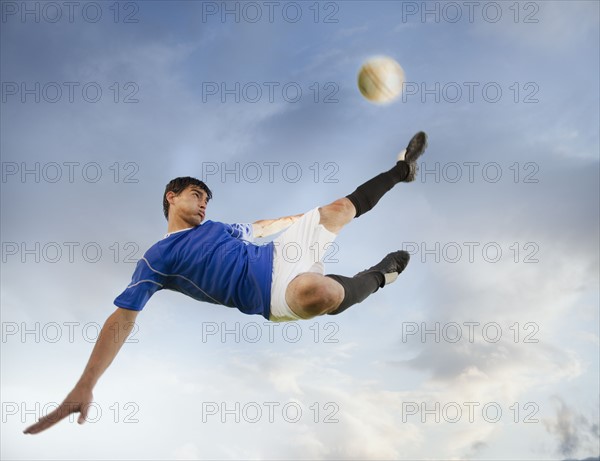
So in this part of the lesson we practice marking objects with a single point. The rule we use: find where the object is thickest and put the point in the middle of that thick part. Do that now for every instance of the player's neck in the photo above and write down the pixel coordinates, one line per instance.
(177, 229)
(175, 225)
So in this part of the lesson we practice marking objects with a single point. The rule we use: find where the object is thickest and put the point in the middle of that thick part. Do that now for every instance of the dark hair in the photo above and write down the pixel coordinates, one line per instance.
(178, 185)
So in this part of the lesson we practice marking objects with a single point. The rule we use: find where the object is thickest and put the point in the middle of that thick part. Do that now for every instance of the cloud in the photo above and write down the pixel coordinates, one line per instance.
(575, 434)
(371, 374)
(545, 27)
(187, 451)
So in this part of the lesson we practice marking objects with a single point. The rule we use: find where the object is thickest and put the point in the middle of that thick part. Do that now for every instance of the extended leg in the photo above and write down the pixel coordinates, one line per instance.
(366, 196)
(339, 213)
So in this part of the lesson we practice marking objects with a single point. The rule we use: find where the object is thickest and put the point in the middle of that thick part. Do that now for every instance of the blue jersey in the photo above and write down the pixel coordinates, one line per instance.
(212, 262)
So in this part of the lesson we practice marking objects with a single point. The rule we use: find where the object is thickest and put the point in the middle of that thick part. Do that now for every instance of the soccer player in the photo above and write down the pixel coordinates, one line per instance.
(218, 263)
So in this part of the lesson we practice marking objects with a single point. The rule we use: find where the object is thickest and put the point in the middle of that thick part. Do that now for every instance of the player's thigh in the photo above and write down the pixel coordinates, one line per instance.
(299, 249)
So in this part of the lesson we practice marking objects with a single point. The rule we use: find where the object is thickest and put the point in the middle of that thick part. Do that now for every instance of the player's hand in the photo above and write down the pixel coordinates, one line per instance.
(78, 401)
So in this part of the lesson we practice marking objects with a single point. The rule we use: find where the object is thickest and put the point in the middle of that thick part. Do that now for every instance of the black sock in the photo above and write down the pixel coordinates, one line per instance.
(368, 194)
(357, 288)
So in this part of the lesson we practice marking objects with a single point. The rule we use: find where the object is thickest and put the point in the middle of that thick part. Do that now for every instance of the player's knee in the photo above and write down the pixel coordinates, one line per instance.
(341, 207)
(315, 296)
(337, 214)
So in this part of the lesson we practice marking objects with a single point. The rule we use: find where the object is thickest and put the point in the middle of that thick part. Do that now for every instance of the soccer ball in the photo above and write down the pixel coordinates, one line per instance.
(380, 79)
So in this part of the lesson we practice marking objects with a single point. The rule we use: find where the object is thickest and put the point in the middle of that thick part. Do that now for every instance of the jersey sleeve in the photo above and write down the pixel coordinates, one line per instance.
(242, 231)
(144, 283)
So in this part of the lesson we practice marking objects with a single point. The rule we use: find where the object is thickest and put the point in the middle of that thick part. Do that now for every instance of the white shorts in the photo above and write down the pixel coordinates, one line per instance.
(300, 248)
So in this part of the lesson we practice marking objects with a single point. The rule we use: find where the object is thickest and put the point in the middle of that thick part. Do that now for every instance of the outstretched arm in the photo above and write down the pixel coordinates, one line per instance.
(266, 227)
(115, 331)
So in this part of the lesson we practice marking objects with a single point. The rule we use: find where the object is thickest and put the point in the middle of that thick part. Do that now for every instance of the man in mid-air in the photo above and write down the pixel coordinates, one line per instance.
(218, 263)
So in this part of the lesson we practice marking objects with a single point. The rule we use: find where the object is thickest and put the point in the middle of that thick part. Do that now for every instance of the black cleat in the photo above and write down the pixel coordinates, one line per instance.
(416, 147)
(390, 267)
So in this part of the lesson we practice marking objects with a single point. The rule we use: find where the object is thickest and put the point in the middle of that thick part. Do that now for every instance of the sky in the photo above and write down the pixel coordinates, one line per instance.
(486, 347)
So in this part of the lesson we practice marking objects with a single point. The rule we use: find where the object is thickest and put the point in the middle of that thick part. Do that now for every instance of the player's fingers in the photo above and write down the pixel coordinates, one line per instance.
(44, 423)
(51, 419)
(37, 427)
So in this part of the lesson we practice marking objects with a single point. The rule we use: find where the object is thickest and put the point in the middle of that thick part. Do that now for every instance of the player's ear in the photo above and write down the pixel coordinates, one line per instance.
(170, 196)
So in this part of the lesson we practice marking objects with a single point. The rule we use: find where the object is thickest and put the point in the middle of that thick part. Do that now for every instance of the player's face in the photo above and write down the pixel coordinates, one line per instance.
(191, 205)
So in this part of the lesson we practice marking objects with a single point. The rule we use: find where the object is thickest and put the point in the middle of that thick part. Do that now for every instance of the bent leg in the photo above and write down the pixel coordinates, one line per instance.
(311, 294)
